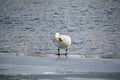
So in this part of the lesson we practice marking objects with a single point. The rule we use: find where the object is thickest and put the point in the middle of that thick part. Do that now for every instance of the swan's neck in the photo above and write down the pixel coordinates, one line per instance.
(57, 36)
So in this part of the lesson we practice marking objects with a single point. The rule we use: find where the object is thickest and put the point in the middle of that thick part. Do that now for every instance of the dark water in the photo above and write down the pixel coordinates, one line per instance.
(28, 26)
(81, 76)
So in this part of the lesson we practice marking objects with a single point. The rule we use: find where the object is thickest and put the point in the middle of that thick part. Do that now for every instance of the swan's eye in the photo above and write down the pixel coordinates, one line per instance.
(60, 39)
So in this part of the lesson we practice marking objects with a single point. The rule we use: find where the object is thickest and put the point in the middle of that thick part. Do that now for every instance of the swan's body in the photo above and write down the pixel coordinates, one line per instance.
(62, 42)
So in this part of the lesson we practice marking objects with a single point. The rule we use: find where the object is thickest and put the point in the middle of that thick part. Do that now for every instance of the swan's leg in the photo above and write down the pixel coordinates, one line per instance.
(66, 52)
(58, 52)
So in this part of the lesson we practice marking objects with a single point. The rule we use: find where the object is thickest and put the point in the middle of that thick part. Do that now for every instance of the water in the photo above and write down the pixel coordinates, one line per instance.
(28, 26)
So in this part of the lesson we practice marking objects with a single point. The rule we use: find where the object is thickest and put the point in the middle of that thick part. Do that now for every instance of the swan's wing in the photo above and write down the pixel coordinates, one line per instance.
(66, 39)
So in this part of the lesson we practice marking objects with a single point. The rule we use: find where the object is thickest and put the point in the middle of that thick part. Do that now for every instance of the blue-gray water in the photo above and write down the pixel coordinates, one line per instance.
(29, 25)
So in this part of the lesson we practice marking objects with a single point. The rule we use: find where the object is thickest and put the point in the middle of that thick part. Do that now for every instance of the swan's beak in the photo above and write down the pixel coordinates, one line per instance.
(60, 40)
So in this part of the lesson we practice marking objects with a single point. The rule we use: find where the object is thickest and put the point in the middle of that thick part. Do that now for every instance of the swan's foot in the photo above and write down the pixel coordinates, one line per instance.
(58, 52)
(66, 52)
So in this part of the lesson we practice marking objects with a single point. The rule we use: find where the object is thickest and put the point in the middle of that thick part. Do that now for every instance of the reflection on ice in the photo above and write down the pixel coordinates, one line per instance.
(48, 72)
(77, 55)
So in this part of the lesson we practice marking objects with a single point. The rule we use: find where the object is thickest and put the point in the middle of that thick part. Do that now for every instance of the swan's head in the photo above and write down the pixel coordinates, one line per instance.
(57, 36)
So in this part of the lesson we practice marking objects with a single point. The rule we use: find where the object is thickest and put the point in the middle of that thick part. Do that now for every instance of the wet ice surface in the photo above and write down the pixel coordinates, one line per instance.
(58, 68)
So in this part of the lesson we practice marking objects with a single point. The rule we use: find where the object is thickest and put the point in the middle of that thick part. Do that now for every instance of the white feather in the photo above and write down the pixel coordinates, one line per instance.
(65, 43)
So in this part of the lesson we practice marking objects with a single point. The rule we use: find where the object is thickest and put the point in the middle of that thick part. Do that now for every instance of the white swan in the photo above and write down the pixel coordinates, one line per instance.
(62, 42)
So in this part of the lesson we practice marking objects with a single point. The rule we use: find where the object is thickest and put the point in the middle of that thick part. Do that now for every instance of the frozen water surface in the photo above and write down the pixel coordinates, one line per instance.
(65, 68)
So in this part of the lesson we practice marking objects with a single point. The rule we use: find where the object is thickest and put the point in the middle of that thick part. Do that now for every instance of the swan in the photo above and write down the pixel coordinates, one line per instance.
(62, 42)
